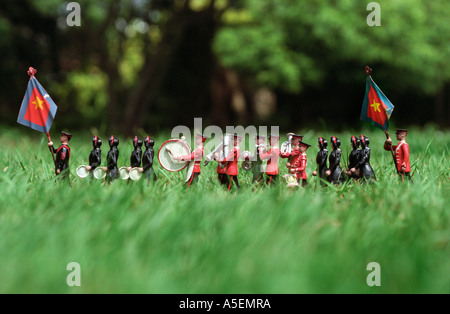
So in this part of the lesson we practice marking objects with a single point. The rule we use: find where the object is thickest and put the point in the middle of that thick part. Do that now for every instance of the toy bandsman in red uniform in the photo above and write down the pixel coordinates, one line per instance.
(195, 156)
(62, 154)
(272, 157)
(232, 162)
(221, 170)
(298, 160)
(401, 151)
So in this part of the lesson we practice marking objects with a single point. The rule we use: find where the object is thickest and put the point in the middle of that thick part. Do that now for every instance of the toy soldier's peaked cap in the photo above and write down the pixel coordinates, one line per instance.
(204, 138)
(304, 144)
(260, 136)
(69, 135)
(296, 136)
(401, 131)
(274, 136)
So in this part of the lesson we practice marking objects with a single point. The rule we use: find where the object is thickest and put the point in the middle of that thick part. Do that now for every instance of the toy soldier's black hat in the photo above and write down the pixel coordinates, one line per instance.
(295, 136)
(401, 131)
(260, 137)
(69, 136)
(149, 141)
(304, 144)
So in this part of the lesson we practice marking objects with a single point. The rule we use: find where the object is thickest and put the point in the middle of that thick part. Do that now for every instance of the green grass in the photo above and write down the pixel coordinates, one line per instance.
(139, 238)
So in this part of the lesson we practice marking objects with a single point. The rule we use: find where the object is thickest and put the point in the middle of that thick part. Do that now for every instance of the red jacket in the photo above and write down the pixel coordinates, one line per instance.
(272, 164)
(197, 156)
(298, 163)
(232, 162)
(401, 151)
(221, 169)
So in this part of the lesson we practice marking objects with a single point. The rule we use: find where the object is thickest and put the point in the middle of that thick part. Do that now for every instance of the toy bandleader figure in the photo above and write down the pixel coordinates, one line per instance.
(401, 151)
(62, 154)
(272, 157)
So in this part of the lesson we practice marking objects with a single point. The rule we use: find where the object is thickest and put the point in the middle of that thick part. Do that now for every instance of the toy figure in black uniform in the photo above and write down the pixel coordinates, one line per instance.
(62, 155)
(321, 160)
(136, 155)
(257, 171)
(111, 158)
(363, 166)
(95, 158)
(147, 159)
(335, 173)
(353, 158)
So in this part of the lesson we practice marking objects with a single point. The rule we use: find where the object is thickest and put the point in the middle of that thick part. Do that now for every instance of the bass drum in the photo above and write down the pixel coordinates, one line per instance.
(171, 149)
(82, 172)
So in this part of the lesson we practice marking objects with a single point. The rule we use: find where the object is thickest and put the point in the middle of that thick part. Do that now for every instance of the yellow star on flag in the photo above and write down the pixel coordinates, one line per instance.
(375, 106)
(38, 103)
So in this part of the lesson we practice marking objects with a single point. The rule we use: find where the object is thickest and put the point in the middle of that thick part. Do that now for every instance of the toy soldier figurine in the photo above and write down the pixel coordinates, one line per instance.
(195, 156)
(232, 162)
(95, 158)
(363, 166)
(321, 160)
(401, 153)
(297, 166)
(335, 173)
(111, 158)
(147, 160)
(272, 157)
(136, 154)
(353, 158)
(221, 170)
(62, 154)
(257, 165)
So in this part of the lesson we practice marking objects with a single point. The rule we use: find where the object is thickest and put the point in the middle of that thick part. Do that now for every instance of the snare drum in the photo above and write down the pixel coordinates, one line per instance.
(123, 172)
(82, 172)
(135, 174)
(99, 173)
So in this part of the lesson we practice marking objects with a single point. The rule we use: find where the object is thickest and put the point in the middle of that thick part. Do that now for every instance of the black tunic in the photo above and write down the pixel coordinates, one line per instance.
(147, 164)
(95, 158)
(136, 157)
(321, 160)
(111, 158)
(364, 166)
(353, 160)
(337, 175)
(62, 159)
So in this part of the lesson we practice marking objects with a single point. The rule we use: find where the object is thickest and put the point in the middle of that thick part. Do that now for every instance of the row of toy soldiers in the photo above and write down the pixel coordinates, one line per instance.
(227, 169)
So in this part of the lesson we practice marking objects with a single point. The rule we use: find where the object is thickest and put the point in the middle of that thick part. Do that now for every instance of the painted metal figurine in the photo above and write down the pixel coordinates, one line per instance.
(95, 157)
(257, 164)
(62, 154)
(232, 162)
(321, 159)
(111, 158)
(147, 160)
(353, 158)
(298, 160)
(363, 167)
(196, 156)
(400, 152)
(136, 154)
(221, 170)
(335, 173)
(272, 157)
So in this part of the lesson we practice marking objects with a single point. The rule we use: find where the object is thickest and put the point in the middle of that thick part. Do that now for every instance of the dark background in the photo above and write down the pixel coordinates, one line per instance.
(155, 64)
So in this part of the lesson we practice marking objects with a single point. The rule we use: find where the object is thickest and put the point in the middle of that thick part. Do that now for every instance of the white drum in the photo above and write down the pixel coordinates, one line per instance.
(135, 174)
(99, 173)
(82, 172)
(123, 172)
(171, 149)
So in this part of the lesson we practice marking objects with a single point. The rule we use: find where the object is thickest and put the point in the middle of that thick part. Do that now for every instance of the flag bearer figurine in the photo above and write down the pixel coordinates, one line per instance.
(321, 160)
(62, 154)
(147, 160)
(232, 162)
(111, 158)
(257, 171)
(335, 173)
(95, 157)
(195, 156)
(272, 157)
(401, 151)
(136, 154)
(353, 158)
